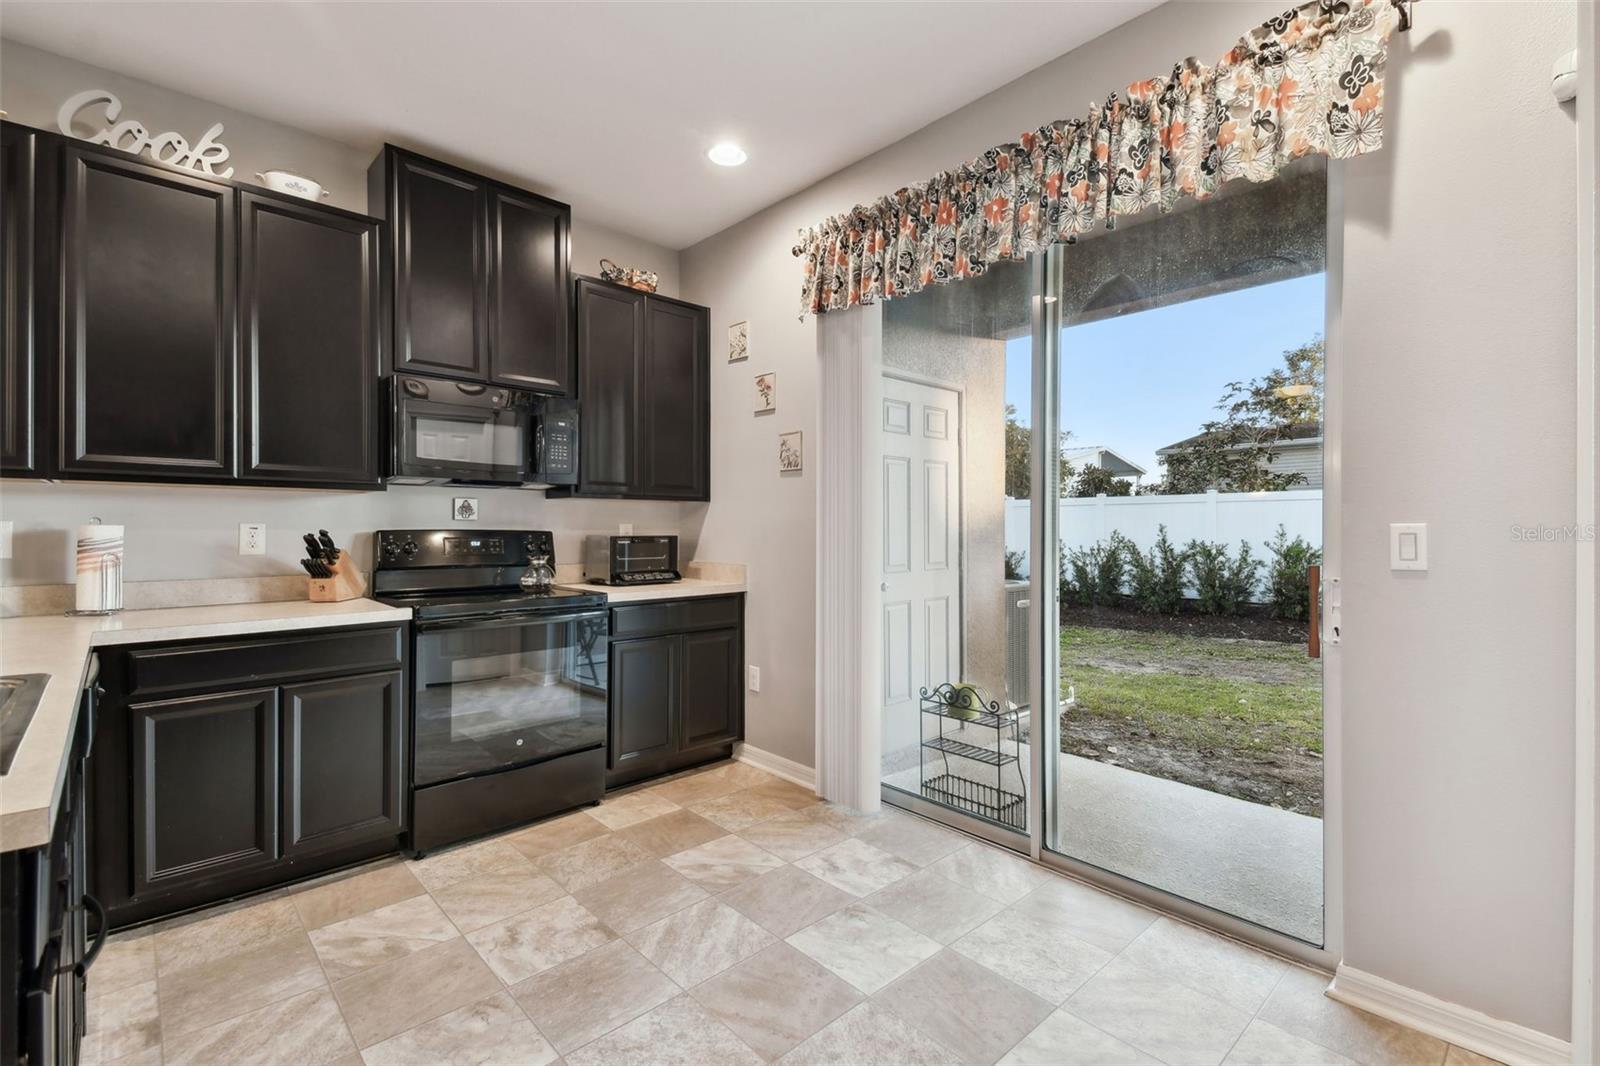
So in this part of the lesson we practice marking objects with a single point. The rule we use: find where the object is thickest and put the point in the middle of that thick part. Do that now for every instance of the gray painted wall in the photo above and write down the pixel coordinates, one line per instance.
(1459, 312)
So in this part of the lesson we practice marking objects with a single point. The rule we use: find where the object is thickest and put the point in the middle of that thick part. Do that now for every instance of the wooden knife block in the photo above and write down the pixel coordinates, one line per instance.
(345, 584)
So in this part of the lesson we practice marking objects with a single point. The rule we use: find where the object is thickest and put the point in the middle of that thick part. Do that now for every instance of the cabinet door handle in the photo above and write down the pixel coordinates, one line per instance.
(92, 904)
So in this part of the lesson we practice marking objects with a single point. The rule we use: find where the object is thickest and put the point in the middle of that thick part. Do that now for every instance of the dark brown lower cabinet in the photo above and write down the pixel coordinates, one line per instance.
(343, 761)
(675, 695)
(224, 767)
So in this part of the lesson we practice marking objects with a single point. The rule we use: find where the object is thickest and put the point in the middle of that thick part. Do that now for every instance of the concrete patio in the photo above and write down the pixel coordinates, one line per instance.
(1257, 862)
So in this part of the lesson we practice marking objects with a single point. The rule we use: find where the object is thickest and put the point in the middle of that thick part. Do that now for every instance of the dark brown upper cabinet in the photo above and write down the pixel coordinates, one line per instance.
(147, 312)
(26, 156)
(644, 390)
(310, 328)
(481, 275)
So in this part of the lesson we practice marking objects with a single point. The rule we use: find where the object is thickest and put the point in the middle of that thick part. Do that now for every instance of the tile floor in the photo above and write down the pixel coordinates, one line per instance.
(724, 916)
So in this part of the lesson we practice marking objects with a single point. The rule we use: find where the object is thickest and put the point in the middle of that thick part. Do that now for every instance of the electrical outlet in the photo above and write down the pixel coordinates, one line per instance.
(625, 529)
(755, 678)
(5, 540)
(252, 538)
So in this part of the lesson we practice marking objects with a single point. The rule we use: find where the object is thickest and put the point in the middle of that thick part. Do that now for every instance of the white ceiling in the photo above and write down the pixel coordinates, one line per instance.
(609, 106)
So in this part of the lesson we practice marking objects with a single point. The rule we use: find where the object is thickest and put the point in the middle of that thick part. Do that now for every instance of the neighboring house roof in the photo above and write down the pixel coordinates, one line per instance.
(1300, 434)
(1105, 458)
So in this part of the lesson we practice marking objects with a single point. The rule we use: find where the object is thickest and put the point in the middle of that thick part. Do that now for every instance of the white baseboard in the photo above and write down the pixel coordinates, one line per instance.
(1507, 1042)
(787, 769)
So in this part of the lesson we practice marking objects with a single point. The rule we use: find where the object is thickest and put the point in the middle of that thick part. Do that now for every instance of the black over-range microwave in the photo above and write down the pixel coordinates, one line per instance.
(460, 432)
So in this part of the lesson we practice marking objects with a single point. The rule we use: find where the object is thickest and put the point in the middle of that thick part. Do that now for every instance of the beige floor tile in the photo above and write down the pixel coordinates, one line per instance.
(488, 898)
(639, 895)
(915, 840)
(1299, 1006)
(535, 940)
(1066, 1040)
(121, 1022)
(1264, 1044)
(870, 1034)
(695, 788)
(1460, 1056)
(490, 1032)
(844, 819)
(699, 942)
(793, 836)
(307, 1029)
(724, 863)
(864, 947)
(379, 936)
(677, 1033)
(199, 996)
(672, 833)
(444, 868)
(1158, 1015)
(934, 906)
(742, 776)
(1239, 976)
(582, 999)
(214, 937)
(991, 872)
(1102, 919)
(856, 867)
(775, 999)
(150, 1056)
(785, 900)
(796, 796)
(630, 808)
(740, 810)
(334, 901)
(399, 995)
(1040, 956)
(555, 834)
(970, 1009)
(590, 862)
(125, 960)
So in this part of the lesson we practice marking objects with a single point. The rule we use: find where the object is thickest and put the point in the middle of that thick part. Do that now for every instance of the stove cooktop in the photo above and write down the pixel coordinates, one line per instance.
(452, 604)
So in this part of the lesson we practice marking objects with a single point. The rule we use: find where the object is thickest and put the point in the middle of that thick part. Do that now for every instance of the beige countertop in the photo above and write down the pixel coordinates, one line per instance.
(60, 646)
(675, 590)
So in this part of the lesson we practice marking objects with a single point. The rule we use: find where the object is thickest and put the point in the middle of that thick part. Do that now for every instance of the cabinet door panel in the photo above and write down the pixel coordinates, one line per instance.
(441, 281)
(610, 337)
(148, 353)
(23, 450)
(309, 306)
(674, 416)
(709, 705)
(205, 796)
(531, 344)
(643, 699)
(344, 744)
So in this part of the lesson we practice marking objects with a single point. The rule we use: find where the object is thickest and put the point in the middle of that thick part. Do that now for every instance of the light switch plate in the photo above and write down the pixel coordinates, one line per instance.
(1408, 546)
(252, 538)
(625, 529)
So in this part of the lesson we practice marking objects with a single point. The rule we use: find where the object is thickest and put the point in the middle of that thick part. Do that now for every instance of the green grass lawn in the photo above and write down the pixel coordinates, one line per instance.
(1247, 698)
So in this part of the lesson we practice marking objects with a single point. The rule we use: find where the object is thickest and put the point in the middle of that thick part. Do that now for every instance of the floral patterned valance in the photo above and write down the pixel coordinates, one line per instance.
(1308, 81)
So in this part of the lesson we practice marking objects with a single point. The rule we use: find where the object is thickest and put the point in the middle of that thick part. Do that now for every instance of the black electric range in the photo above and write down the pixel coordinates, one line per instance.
(508, 693)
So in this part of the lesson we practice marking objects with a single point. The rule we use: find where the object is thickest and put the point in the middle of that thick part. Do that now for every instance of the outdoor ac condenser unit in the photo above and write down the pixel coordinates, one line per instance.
(1017, 644)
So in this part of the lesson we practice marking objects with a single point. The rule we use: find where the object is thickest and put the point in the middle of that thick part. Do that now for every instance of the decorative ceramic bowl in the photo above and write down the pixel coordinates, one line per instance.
(293, 184)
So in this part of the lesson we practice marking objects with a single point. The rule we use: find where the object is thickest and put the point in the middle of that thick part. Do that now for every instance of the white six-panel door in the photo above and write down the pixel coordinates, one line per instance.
(921, 588)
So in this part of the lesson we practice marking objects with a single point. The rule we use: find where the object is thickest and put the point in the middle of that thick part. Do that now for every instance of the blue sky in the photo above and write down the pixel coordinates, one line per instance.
(1139, 382)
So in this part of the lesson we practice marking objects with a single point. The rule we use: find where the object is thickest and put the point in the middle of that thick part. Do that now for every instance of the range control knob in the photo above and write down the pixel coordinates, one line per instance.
(411, 548)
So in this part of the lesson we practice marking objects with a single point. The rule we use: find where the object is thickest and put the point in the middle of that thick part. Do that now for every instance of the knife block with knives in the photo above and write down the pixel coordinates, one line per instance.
(334, 576)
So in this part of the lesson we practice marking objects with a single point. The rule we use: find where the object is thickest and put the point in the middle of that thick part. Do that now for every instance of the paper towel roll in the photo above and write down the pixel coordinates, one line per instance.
(99, 568)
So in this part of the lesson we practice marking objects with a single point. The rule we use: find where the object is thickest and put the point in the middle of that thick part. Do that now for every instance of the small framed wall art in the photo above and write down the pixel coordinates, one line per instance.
(464, 509)
(766, 393)
(738, 342)
(791, 452)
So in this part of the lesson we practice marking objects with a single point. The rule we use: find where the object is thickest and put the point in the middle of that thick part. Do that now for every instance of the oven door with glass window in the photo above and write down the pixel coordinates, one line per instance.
(497, 692)
(458, 431)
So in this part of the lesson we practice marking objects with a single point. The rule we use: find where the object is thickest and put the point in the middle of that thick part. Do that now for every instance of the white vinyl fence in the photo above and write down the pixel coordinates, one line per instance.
(1228, 517)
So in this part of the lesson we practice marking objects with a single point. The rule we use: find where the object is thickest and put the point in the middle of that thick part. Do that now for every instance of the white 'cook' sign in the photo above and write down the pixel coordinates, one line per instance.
(130, 136)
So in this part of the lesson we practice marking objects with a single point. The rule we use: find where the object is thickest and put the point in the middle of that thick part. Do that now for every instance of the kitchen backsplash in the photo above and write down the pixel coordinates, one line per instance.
(186, 532)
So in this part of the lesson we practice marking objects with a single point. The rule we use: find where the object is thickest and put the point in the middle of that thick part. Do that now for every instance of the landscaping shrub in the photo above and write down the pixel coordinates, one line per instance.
(1288, 584)
(1157, 576)
(1222, 583)
(1013, 565)
(1093, 576)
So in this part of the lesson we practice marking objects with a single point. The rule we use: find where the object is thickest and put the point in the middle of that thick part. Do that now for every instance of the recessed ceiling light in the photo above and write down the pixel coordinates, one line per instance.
(726, 154)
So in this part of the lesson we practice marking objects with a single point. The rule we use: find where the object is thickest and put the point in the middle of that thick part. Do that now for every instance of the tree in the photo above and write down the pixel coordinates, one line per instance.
(1234, 453)
(1096, 480)
(1019, 458)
